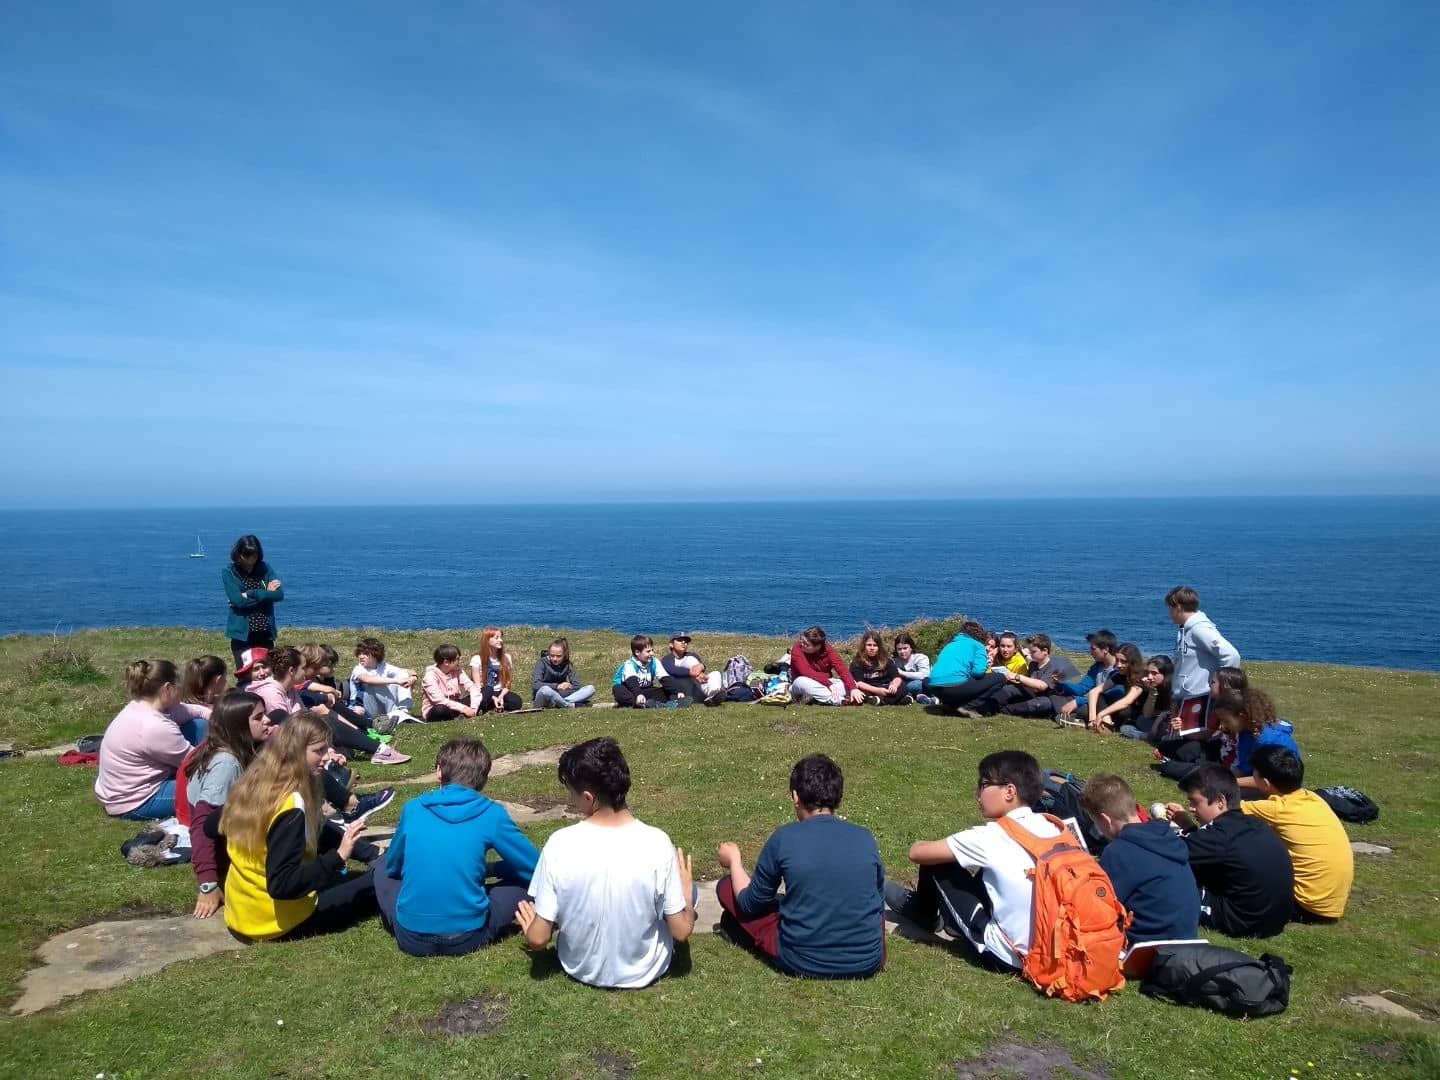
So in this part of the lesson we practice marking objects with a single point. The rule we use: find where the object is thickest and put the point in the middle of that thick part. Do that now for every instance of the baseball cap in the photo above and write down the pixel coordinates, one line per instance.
(250, 657)
(679, 636)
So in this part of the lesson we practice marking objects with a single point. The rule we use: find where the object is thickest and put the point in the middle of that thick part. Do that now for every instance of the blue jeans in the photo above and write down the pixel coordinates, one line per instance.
(159, 806)
(913, 687)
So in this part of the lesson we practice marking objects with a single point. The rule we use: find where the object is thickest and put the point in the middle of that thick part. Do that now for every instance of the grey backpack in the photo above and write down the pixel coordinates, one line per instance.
(1225, 980)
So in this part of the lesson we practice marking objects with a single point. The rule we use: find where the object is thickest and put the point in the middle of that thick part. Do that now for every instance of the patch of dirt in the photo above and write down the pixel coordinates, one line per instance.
(790, 729)
(545, 802)
(612, 1066)
(138, 909)
(1015, 1061)
(1385, 1051)
(471, 1018)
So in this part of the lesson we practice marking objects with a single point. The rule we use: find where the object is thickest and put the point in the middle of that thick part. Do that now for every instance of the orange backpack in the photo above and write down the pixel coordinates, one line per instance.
(1077, 925)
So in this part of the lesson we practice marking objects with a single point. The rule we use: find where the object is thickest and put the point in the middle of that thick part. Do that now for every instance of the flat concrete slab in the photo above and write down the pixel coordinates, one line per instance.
(107, 954)
(1379, 1003)
(1364, 847)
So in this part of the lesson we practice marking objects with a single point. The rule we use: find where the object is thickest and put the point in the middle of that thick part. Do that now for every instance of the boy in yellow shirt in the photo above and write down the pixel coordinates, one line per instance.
(1319, 847)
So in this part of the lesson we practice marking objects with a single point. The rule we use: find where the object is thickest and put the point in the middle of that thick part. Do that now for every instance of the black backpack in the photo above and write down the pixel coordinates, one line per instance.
(1350, 805)
(1062, 798)
(1224, 980)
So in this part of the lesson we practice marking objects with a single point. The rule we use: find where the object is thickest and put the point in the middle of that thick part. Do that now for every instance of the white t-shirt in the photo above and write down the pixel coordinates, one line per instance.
(1003, 865)
(607, 891)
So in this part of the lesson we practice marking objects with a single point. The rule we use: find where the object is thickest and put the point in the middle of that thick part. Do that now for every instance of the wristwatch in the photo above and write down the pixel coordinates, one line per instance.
(207, 887)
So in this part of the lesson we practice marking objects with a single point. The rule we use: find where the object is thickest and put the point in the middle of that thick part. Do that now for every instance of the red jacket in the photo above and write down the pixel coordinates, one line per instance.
(820, 667)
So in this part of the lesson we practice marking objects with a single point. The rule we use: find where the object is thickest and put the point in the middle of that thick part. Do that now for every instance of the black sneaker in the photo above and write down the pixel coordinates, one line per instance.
(368, 804)
(902, 902)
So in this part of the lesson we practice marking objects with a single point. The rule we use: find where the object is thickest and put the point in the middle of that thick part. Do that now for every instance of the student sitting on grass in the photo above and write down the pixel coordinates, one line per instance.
(685, 675)
(1246, 718)
(637, 682)
(1246, 882)
(553, 683)
(349, 730)
(287, 864)
(202, 684)
(1031, 693)
(829, 922)
(1113, 701)
(432, 892)
(619, 893)
(1102, 663)
(382, 690)
(961, 672)
(1151, 720)
(976, 882)
(914, 668)
(144, 745)
(1008, 656)
(1319, 849)
(238, 728)
(492, 670)
(818, 675)
(876, 675)
(1147, 862)
(446, 692)
(273, 678)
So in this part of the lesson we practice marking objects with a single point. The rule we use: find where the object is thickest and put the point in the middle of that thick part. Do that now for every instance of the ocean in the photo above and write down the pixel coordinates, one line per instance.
(1333, 580)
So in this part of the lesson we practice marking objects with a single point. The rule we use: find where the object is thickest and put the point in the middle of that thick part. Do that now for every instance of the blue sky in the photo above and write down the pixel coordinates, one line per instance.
(494, 252)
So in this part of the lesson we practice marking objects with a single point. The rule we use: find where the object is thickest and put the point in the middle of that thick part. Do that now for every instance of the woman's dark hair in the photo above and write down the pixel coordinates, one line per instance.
(880, 657)
(248, 546)
(283, 660)
(972, 629)
(904, 638)
(817, 782)
(1014, 767)
(200, 674)
(229, 731)
(814, 636)
(1164, 693)
(597, 766)
(146, 678)
(1134, 663)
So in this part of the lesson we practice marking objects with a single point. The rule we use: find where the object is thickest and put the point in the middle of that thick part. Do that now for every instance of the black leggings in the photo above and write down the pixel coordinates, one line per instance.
(344, 737)
(511, 700)
(959, 695)
(341, 906)
(625, 697)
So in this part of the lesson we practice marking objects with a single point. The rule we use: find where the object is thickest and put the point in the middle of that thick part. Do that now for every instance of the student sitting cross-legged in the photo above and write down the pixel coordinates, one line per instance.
(1147, 861)
(1319, 848)
(876, 675)
(446, 692)
(637, 683)
(976, 882)
(1246, 881)
(828, 924)
(818, 675)
(553, 683)
(432, 892)
(961, 673)
(619, 894)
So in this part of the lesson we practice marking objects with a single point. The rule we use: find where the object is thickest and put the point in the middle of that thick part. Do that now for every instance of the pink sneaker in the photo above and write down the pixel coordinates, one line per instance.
(388, 755)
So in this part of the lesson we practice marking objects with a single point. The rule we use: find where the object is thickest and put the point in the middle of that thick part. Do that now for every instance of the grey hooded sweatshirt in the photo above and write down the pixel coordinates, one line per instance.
(1200, 651)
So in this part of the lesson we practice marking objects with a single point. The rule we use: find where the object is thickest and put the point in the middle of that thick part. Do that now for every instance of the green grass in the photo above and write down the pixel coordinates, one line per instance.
(353, 1005)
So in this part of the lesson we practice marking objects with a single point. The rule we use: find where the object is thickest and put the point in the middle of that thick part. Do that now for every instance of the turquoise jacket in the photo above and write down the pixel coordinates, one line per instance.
(243, 604)
(964, 658)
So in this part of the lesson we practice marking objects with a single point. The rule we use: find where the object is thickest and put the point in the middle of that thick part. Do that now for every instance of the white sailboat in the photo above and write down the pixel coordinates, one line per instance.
(199, 552)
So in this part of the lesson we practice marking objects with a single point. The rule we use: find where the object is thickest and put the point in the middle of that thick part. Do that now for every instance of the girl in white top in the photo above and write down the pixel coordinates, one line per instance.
(493, 671)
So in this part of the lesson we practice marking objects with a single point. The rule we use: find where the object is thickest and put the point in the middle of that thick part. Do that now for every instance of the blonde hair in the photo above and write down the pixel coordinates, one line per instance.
(279, 770)
(313, 656)
(146, 678)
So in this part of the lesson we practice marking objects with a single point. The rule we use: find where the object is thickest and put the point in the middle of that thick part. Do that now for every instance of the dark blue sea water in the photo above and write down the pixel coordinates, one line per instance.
(1340, 580)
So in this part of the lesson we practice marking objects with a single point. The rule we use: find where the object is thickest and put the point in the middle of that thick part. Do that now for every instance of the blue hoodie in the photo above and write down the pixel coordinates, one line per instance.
(1149, 865)
(964, 658)
(439, 854)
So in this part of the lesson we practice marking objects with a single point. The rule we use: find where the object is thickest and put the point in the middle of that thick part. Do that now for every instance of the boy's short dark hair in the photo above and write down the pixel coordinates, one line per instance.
(1040, 641)
(1103, 639)
(445, 653)
(465, 762)
(817, 782)
(1215, 782)
(597, 766)
(814, 636)
(1183, 597)
(331, 656)
(1106, 793)
(371, 646)
(638, 642)
(1279, 765)
(1014, 767)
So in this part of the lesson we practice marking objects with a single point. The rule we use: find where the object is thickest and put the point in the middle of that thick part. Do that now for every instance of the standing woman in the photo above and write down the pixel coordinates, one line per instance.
(253, 591)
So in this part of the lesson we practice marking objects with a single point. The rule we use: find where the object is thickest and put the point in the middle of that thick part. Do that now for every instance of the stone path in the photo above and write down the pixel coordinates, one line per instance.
(1378, 1003)
(501, 766)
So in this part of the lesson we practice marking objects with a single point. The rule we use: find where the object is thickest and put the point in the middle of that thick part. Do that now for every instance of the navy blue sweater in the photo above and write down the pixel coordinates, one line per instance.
(830, 915)
(1149, 865)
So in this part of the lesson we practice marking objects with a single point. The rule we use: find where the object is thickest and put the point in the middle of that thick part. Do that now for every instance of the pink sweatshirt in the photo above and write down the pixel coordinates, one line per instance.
(437, 688)
(142, 749)
(274, 696)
